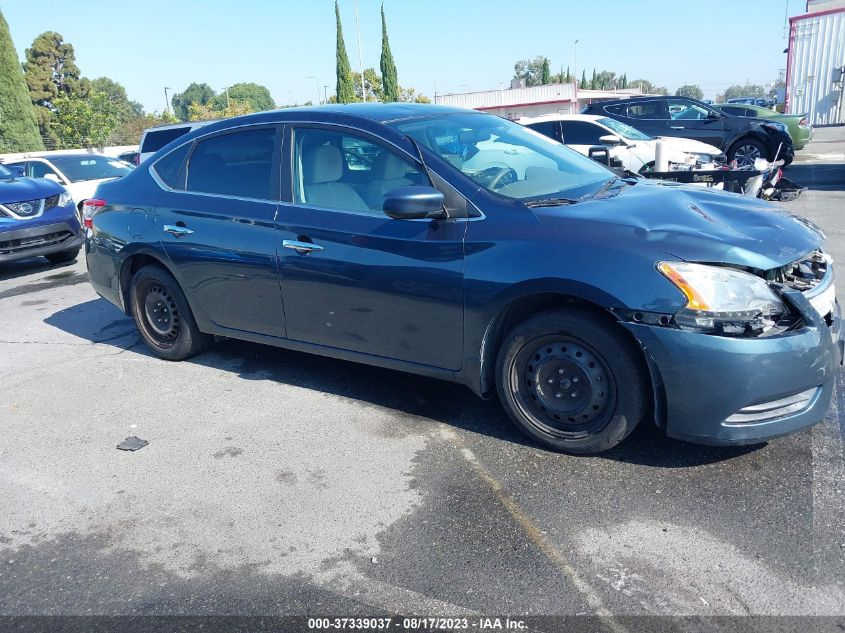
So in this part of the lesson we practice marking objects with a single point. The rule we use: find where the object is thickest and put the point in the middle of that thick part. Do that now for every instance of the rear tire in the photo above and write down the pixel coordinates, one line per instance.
(63, 256)
(163, 316)
(572, 381)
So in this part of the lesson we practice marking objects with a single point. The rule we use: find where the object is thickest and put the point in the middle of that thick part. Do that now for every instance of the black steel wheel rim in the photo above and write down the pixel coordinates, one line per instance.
(564, 386)
(159, 314)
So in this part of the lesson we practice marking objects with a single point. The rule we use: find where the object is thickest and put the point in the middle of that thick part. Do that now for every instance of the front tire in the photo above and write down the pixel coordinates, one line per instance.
(572, 381)
(63, 256)
(746, 150)
(163, 316)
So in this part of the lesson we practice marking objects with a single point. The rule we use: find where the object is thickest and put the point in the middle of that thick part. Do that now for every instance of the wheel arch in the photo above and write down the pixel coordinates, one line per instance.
(132, 264)
(526, 305)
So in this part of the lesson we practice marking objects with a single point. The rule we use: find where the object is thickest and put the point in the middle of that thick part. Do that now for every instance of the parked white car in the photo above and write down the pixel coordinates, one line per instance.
(635, 150)
(154, 138)
(79, 173)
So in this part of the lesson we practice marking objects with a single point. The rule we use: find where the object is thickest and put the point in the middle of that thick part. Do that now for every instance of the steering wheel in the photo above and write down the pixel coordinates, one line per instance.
(497, 178)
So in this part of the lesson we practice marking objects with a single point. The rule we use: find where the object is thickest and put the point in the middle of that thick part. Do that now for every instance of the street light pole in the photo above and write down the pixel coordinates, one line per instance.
(360, 54)
(317, 83)
(325, 94)
(576, 61)
(166, 100)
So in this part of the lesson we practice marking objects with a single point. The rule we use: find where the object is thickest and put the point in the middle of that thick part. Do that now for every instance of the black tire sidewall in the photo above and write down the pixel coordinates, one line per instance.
(627, 370)
(190, 340)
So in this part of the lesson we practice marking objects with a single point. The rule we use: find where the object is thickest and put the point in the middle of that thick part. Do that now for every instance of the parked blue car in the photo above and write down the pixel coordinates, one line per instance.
(37, 217)
(458, 245)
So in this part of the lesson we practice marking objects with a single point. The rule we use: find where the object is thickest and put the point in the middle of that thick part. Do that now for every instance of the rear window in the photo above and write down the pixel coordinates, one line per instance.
(546, 128)
(235, 164)
(156, 139)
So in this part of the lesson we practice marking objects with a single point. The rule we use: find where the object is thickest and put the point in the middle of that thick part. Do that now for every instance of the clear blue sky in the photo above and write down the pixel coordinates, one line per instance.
(457, 44)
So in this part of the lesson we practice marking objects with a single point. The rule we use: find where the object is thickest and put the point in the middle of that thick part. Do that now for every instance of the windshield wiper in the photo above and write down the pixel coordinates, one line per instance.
(550, 202)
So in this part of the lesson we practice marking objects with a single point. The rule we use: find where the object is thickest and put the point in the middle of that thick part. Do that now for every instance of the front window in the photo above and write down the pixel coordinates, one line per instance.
(505, 157)
(90, 167)
(687, 110)
(5, 174)
(625, 131)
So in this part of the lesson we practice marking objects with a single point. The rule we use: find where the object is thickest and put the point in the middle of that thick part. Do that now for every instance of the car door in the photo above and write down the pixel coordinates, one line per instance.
(547, 128)
(352, 278)
(647, 115)
(216, 224)
(693, 120)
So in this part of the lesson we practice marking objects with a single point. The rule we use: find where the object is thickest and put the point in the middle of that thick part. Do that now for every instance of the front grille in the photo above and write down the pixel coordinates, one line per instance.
(812, 275)
(35, 242)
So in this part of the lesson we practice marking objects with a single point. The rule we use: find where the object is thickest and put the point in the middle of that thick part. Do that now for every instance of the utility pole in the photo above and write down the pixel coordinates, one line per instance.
(166, 100)
(360, 54)
(316, 83)
(325, 94)
(575, 67)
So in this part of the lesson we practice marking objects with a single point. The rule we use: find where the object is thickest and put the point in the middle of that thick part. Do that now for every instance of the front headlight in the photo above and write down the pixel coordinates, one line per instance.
(722, 300)
(65, 199)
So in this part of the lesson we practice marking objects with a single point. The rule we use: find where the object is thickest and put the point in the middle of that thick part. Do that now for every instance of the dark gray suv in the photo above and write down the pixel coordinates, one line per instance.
(742, 139)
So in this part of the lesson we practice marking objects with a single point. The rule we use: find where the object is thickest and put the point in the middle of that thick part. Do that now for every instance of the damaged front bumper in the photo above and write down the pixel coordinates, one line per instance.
(722, 390)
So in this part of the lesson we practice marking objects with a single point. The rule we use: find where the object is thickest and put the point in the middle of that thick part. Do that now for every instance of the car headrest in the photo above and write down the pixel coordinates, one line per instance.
(322, 164)
(388, 166)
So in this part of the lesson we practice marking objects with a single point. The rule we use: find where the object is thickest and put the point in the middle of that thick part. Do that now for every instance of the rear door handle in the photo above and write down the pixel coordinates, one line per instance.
(676, 127)
(178, 231)
(303, 248)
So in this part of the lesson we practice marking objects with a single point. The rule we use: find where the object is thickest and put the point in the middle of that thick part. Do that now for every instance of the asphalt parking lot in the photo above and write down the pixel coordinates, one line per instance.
(280, 483)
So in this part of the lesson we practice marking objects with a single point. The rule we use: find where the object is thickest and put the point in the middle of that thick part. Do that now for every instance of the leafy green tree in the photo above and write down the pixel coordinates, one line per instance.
(748, 90)
(583, 83)
(116, 93)
(594, 82)
(390, 79)
(345, 91)
(194, 93)
(690, 90)
(606, 80)
(373, 83)
(545, 72)
(569, 78)
(50, 70)
(84, 122)
(18, 125)
(257, 96)
(235, 107)
(530, 70)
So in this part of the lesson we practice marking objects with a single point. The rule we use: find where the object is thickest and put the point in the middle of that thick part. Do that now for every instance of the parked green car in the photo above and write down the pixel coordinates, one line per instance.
(799, 127)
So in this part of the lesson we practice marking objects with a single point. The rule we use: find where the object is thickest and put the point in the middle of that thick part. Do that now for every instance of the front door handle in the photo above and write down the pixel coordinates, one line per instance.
(303, 248)
(178, 231)
(676, 127)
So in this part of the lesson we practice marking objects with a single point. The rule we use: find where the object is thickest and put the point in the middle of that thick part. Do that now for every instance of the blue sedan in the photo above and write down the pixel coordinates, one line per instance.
(37, 217)
(461, 246)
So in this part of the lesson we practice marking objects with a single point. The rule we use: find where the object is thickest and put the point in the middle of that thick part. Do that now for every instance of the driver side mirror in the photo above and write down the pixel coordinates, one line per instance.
(413, 202)
(712, 114)
(53, 177)
(611, 139)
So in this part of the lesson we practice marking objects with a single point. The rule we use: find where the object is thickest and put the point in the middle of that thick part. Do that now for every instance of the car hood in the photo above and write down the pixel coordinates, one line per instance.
(21, 189)
(687, 145)
(689, 223)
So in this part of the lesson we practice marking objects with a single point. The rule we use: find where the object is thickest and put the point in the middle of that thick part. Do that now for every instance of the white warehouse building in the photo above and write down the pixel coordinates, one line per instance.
(513, 103)
(815, 66)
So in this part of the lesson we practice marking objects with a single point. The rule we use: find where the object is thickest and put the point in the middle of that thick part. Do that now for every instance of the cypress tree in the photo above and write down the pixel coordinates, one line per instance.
(569, 77)
(345, 89)
(583, 83)
(594, 83)
(389, 78)
(546, 74)
(18, 126)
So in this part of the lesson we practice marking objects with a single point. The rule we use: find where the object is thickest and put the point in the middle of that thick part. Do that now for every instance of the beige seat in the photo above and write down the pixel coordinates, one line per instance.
(322, 168)
(389, 172)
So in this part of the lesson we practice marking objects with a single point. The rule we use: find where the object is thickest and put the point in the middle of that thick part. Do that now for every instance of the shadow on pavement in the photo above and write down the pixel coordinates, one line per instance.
(818, 176)
(23, 267)
(100, 322)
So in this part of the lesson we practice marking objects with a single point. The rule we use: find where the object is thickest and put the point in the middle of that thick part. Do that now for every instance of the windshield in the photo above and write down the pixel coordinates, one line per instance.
(623, 130)
(505, 157)
(5, 174)
(88, 167)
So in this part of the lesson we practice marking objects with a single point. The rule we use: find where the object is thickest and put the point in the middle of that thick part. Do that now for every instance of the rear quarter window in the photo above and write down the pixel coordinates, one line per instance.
(169, 168)
(156, 139)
